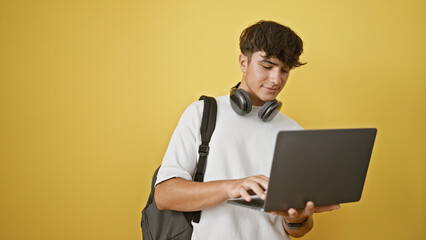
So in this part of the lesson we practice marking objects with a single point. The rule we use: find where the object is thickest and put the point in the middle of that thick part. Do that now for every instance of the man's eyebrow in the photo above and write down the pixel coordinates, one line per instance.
(267, 61)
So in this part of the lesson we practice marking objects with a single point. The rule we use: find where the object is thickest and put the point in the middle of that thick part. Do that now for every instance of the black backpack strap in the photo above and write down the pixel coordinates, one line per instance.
(208, 124)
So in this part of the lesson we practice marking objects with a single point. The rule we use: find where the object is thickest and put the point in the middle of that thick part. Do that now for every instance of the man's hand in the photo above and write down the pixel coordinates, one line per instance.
(247, 186)
(298, 215)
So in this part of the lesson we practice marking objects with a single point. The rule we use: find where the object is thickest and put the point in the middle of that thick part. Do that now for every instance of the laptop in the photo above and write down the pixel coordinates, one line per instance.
(324, 166)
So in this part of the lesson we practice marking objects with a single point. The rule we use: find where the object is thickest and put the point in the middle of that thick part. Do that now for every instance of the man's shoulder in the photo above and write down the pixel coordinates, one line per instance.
(289, 122)
(199, 105)
(195, 110)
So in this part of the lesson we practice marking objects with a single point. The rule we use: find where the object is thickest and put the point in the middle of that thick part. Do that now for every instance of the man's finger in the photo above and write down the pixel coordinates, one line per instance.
(262, 180)
(326, 208)
(292, 213)
(309, 209)
(244, 194)
(257, 189)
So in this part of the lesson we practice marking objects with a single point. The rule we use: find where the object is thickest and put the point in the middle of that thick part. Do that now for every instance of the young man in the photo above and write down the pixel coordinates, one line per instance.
(241, 147)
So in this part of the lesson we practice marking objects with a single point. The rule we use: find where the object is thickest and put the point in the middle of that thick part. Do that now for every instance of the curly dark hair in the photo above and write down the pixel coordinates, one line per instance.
(275, 40)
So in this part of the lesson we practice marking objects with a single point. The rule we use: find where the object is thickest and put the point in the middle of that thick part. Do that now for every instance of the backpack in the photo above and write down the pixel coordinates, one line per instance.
(173, 225)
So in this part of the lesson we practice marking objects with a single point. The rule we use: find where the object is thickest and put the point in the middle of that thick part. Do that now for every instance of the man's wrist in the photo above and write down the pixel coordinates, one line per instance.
(295, 225)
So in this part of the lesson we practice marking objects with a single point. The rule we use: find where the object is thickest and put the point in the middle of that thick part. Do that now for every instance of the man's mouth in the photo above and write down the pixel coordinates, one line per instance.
(271, 88)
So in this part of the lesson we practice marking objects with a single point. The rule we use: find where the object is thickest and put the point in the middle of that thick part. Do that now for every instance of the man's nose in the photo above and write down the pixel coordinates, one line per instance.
(275, 76)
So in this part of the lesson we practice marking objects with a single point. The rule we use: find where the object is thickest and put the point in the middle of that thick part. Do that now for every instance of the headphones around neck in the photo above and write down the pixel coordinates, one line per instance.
(241, 103)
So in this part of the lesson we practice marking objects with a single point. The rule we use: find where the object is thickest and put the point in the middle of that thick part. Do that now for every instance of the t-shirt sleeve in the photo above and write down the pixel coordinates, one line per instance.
(181, 155)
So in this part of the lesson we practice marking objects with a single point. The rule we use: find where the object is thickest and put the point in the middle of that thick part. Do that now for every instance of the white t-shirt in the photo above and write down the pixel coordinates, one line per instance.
(241, 146)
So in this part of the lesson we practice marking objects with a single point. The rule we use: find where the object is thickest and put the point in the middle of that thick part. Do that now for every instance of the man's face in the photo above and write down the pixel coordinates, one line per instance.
(263, 78)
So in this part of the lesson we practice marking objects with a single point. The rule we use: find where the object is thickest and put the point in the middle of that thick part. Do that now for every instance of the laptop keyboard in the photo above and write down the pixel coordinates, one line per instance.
(255, 202)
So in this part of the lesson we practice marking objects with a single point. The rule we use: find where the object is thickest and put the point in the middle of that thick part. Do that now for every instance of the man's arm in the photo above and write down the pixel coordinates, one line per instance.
(183, 195)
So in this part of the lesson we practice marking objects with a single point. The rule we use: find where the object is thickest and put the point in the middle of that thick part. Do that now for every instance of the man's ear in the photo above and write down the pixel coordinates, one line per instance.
(243, 60)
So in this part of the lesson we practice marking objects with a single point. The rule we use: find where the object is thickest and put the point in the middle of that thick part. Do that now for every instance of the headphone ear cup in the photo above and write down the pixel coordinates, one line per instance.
(240, 101)
(269, 110)
(248, 100)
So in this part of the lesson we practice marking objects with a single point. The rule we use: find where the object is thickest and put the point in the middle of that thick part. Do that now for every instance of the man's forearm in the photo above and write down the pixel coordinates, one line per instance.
(182, 195)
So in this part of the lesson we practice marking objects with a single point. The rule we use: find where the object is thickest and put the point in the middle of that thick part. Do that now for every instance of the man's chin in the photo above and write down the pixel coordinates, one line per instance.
(269, 97)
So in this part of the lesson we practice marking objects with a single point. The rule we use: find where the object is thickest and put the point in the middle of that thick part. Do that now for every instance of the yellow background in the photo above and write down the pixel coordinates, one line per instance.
(92, 90)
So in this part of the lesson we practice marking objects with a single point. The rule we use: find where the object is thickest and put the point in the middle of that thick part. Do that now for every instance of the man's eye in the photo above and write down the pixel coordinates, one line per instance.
(265, 67)
(284, 71)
